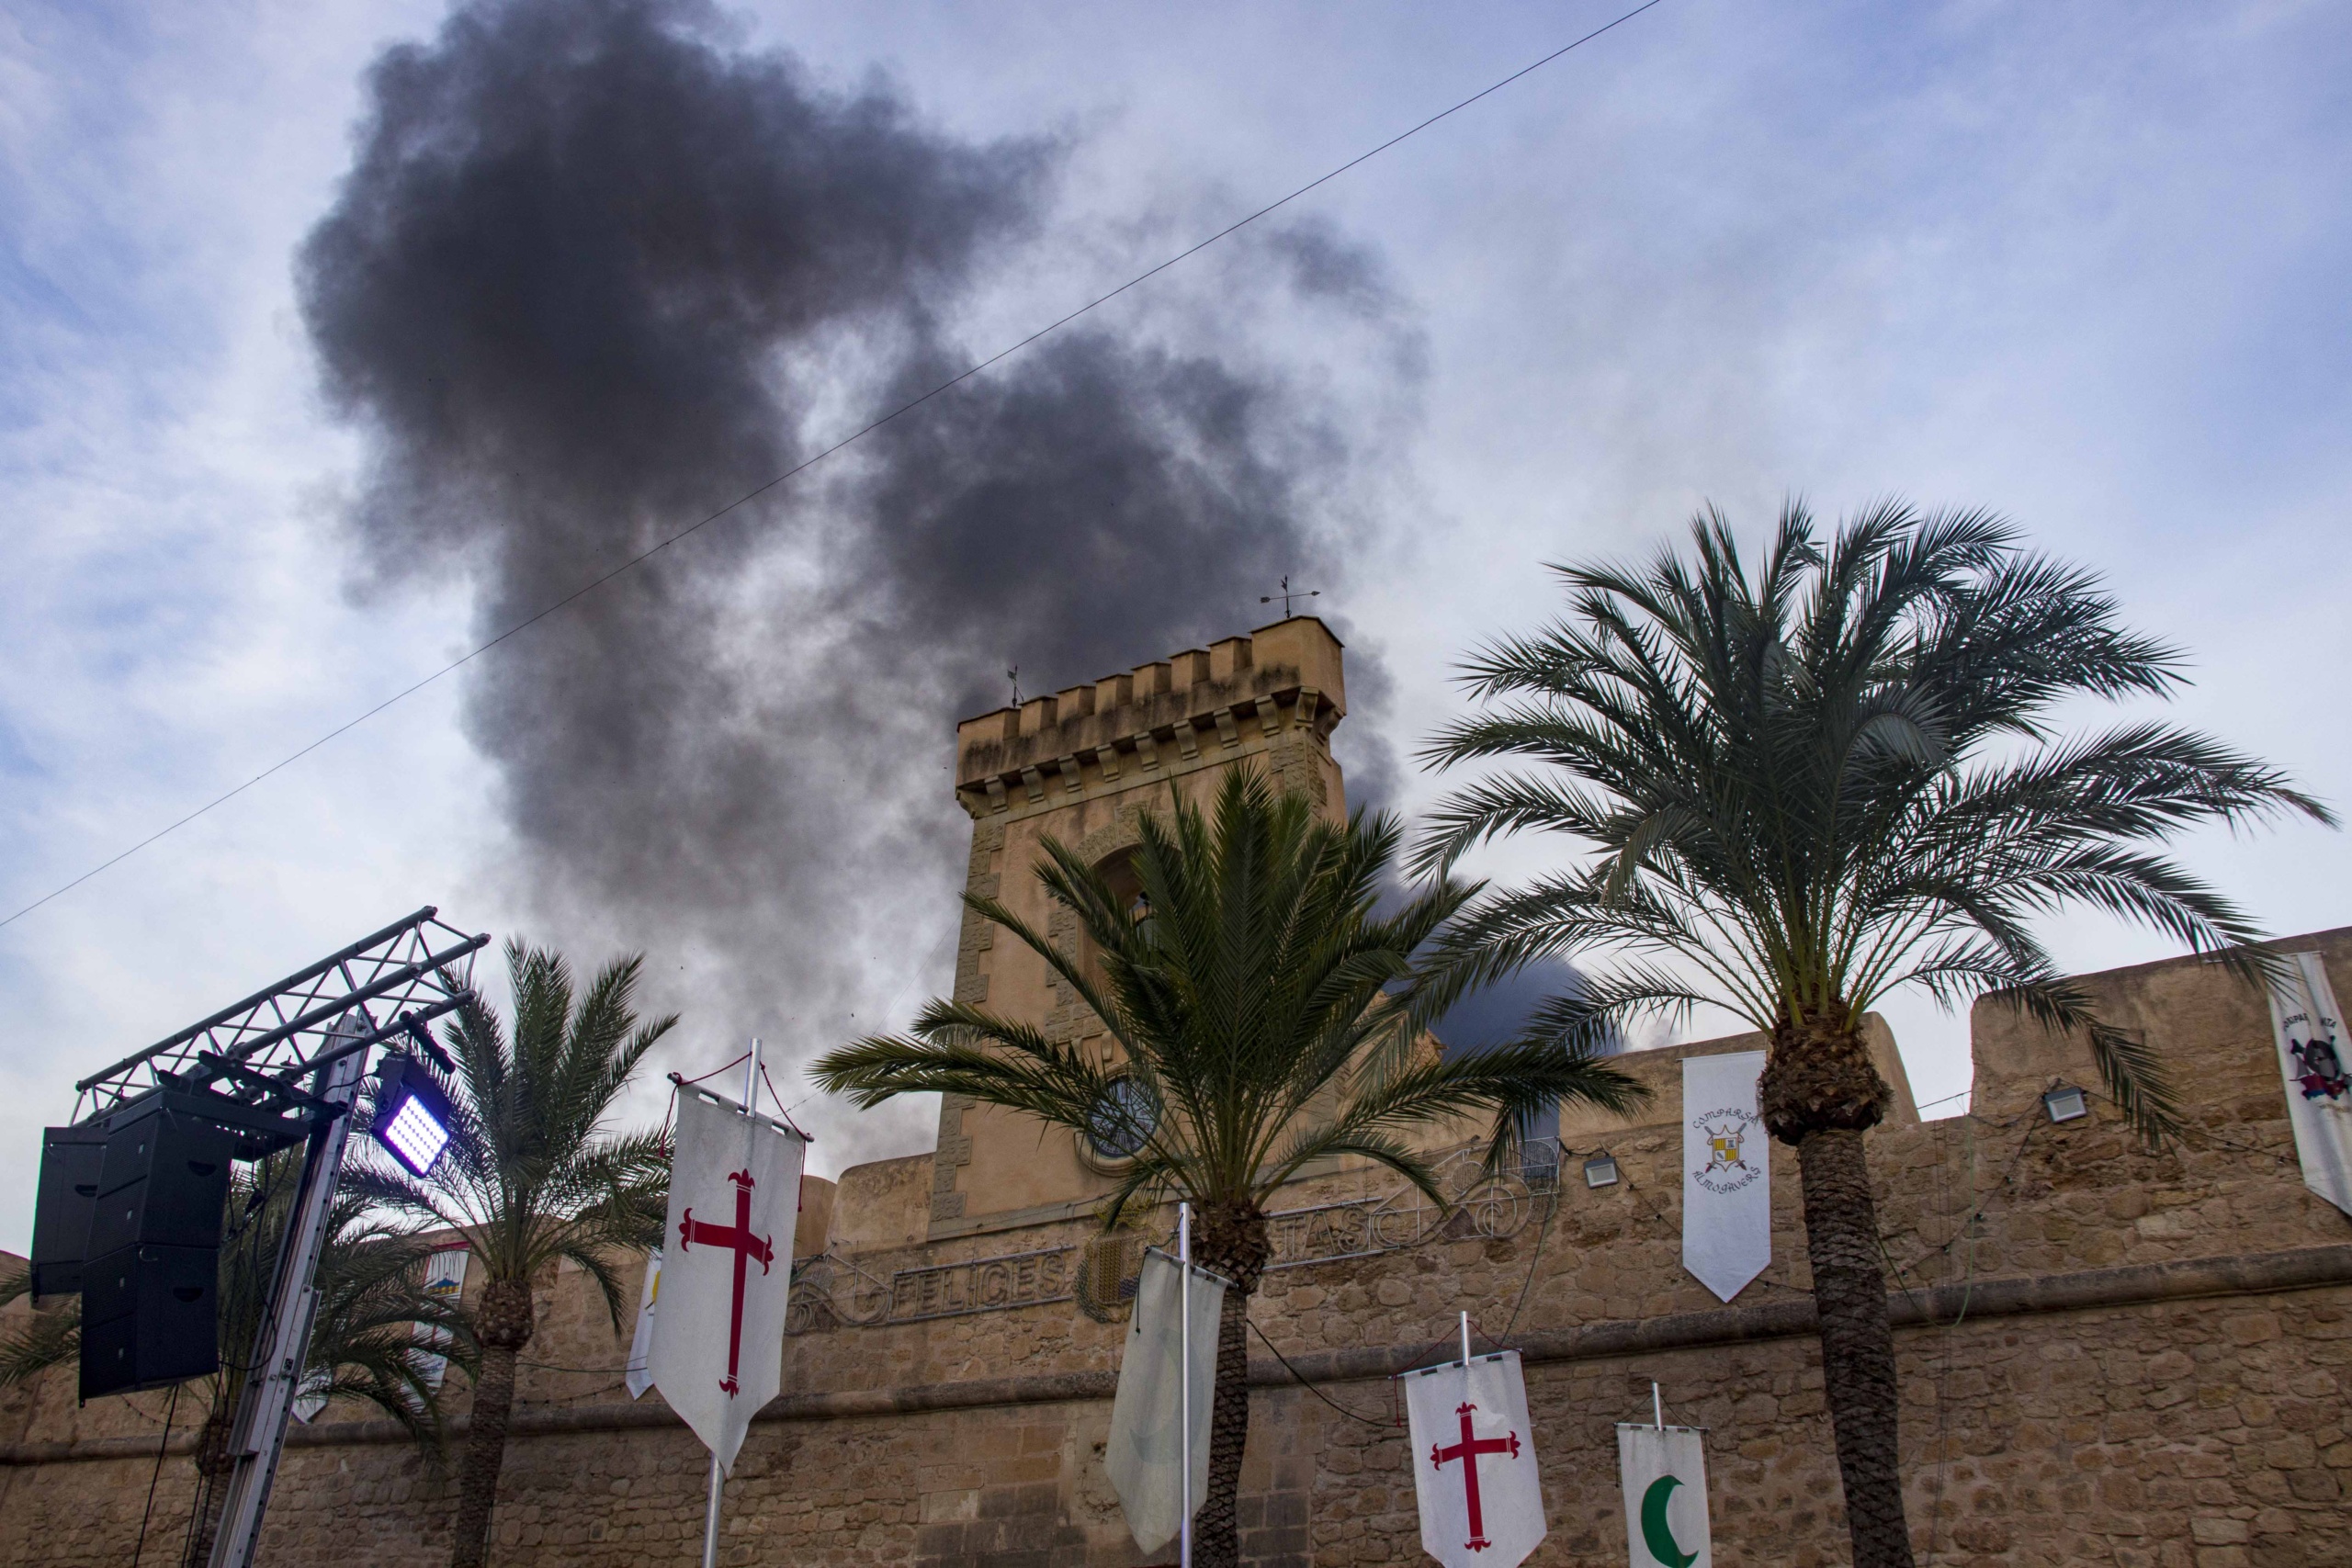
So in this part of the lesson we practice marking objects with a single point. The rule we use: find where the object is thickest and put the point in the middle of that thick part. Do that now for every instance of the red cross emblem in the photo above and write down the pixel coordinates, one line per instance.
(1467, 1450)
(748, 1246)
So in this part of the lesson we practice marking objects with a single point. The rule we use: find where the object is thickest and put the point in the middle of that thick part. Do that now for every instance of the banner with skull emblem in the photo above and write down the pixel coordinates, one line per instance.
(2312, 1049)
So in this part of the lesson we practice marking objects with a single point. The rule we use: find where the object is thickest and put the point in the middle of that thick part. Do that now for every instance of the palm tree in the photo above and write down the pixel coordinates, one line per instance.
(1265, 1016)
(364, 1343)
(45, 1337)
(533, 1175)
(1807, 788)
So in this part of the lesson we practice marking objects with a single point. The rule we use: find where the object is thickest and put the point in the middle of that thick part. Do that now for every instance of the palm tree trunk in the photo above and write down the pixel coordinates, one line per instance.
(1857, 1344)
(1232, 1241)
(504, 1322)
(211, 1483)
(485, 1457)
(1821, 1092)
(1216, 1527)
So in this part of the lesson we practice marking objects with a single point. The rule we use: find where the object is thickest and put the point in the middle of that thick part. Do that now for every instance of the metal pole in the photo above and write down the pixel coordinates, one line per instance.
(710, 1515)
(719, 1476)
(1184, 1377)
(1465, 1341)
(258, 1436)
(1658, 1407)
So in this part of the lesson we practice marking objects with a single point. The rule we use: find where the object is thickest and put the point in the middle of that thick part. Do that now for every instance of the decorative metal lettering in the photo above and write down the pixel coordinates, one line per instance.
(830, 1291)
(982, 1284)
(1488, 1207)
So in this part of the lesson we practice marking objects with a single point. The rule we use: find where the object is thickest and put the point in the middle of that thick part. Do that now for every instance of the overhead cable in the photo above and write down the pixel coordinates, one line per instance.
(858, 435)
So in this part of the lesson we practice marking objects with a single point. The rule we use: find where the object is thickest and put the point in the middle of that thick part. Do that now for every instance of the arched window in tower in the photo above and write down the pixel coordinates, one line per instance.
(1126, 892)
(1123, 1119)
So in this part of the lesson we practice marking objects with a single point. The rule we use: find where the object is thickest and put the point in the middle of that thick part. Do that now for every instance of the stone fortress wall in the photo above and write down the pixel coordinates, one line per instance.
(2109, 1356)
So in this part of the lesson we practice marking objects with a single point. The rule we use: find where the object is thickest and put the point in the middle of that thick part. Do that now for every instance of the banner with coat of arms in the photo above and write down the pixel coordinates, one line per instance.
(1726, 1172)
(2310, 1035)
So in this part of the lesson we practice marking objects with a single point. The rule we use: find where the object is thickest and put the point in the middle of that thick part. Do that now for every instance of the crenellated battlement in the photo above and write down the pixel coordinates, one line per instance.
(1140, 725)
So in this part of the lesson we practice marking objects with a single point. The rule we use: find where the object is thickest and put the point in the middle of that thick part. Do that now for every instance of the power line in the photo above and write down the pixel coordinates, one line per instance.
(162, 1444)
(1316, 1388)
(859, 434)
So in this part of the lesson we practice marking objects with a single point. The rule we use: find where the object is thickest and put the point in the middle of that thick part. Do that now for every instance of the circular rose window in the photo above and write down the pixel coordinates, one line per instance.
(1122, 1120)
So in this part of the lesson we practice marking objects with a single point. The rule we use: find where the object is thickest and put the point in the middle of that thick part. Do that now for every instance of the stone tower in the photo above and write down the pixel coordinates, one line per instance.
(1081, 766)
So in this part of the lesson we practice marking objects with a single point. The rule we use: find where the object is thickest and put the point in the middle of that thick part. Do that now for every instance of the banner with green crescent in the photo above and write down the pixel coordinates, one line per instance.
(1664, 1471)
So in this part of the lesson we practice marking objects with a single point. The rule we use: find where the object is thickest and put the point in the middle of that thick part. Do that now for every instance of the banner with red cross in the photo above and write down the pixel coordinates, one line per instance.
(1474, 1462)
(718, 1352)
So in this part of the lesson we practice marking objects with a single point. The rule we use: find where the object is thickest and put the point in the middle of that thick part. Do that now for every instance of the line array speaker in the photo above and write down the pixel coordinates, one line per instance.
(151, 1316)
(151, 1284)
(65, 1201)
(164, 1182)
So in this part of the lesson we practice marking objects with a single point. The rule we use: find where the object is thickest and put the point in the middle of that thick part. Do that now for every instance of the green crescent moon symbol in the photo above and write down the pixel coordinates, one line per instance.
(1655, 1533)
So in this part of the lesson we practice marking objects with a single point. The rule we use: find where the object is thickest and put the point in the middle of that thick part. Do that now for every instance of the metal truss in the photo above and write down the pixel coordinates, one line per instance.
(256, 1054)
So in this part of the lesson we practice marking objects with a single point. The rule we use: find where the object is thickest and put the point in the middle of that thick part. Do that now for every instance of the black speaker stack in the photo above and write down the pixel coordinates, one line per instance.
(129, 1214)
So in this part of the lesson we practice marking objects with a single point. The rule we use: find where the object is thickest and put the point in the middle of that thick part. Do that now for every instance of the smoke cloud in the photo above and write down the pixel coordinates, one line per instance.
(596, 271)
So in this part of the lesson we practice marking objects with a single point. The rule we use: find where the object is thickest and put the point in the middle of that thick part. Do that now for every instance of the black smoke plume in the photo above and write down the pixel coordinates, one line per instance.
(596, 271)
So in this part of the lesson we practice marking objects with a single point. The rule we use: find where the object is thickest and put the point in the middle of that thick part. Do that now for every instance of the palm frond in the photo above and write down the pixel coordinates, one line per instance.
(45, 1335)
(1780, 780)
(1264, 1016)
(535, 1170)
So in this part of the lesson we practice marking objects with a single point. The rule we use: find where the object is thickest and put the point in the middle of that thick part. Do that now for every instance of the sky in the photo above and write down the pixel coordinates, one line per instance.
(2081, 265)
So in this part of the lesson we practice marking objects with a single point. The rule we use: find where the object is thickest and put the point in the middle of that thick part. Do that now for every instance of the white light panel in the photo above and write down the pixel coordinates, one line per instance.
(415, 1136)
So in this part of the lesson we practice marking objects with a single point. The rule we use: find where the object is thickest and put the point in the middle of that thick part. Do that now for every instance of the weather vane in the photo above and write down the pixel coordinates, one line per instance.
(1288, 594)
(1013, 674)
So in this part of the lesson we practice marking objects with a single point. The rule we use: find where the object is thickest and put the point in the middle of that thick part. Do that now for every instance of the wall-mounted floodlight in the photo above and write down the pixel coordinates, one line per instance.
(2066, 1103)
(413, 1118)
(1601, 1170)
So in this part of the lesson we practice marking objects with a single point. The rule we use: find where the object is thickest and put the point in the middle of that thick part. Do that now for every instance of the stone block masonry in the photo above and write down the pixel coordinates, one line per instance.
(2107, 1356)
(1082, 767)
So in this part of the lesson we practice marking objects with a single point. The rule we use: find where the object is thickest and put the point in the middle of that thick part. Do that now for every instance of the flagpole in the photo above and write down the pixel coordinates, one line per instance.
(719, 1476)
(1184, 1378)
(1465, 1341)
(710, 1515)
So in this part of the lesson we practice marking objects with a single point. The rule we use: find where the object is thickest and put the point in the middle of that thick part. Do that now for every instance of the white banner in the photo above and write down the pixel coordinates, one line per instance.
(444, 1280)
(1664, 1471)
(1147, 1411)
(1726, 1173)
(1474, 1462)
(2310, 1035)
(727, 1266)
(311, 1394)
(639, 1376)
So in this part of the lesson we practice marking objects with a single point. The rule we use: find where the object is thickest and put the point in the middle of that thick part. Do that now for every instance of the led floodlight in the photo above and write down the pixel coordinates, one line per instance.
(1601, 1170)
(2066, 1103)
(413, 1118)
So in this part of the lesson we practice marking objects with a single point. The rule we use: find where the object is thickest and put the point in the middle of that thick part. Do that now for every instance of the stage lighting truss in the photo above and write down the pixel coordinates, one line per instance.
(256, 1062)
